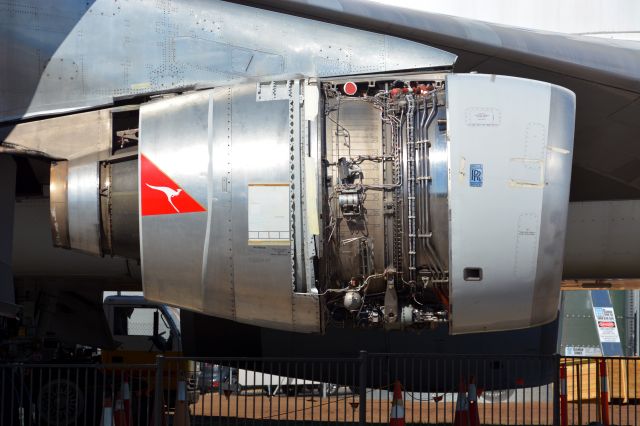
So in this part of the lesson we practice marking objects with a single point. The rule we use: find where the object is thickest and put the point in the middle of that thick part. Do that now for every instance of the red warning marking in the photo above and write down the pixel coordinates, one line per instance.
(606, 324)
(160, 194)
(350, 88)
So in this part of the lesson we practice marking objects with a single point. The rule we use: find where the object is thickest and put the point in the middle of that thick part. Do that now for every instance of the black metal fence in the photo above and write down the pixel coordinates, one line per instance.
(511, 390)
(74, 394)
(179, 391)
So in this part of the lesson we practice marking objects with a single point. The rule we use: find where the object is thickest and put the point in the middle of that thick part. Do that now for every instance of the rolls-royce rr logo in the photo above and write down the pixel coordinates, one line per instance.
(475, 175)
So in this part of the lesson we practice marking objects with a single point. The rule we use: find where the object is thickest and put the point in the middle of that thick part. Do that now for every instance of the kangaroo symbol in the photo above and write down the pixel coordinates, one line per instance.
(170, 193)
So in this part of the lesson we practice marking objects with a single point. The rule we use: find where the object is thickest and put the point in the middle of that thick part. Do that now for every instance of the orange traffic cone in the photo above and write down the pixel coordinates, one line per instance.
(181, 414)
(396, 417)
(107, 412)
(564, 411)
(474, 415)
(119, 415)
(462, 407)
(126, 399)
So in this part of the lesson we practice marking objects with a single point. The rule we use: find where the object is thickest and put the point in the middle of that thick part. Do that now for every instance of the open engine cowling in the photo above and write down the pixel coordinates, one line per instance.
(396, 201)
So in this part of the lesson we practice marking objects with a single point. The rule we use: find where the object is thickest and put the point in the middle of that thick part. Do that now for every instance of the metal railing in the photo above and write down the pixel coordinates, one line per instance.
(512, 390)
(73, 394)
(597, 388)
(545, 390)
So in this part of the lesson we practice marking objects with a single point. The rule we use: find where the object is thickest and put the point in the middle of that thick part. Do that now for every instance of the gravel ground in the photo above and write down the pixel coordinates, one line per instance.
(214, 408)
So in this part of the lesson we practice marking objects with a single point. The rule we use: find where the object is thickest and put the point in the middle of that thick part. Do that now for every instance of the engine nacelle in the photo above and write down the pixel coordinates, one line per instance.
(402, 201)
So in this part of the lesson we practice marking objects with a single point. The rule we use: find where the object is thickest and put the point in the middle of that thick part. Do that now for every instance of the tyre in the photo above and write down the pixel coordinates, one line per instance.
(61, 402)
(69, 398)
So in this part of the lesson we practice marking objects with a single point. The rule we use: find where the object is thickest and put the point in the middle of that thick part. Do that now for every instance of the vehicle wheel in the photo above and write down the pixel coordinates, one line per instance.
(289, 390)
(61, 402)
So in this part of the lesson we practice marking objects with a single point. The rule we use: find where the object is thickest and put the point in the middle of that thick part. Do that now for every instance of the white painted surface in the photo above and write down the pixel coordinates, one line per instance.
(619, 19)
(501, 218)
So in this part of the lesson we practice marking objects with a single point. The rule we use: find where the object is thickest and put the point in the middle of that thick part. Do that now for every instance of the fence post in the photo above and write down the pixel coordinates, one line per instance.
(362, 387)
(157, 392)
(556, 389)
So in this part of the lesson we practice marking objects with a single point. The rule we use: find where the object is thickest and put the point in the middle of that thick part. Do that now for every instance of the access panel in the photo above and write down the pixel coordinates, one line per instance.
(221, 208)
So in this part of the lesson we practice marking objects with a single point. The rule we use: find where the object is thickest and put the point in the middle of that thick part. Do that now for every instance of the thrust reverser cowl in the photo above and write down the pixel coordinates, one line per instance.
(509, 225)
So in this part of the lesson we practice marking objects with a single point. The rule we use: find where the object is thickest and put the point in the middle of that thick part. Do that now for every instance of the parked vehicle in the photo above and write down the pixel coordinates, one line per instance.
(212, 377)
(134, 331)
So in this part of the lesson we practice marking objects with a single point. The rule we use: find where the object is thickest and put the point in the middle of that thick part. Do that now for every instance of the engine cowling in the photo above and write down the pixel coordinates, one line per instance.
(396, 201)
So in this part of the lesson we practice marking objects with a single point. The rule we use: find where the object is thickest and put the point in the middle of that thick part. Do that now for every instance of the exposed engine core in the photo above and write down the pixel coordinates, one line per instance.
(392, 201)
(384, 265)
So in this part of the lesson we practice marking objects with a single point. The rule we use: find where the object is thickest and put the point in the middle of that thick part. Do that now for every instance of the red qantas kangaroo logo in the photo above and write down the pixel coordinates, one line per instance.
(170, 193)
(160, 194)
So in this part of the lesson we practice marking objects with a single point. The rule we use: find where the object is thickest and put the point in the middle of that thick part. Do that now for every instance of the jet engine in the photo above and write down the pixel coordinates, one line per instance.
(401, 201)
